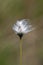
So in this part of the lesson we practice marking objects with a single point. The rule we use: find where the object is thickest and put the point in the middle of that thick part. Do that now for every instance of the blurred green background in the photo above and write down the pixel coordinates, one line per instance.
(10, 11)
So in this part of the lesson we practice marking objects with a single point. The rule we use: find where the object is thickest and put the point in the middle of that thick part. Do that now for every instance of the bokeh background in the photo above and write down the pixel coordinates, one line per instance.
(10, 12)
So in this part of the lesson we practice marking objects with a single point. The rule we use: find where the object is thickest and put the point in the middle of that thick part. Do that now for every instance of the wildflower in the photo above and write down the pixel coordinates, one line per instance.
(22, 27)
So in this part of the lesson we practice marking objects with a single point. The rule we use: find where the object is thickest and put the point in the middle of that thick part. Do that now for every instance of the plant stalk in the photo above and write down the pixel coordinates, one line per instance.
(21, 52)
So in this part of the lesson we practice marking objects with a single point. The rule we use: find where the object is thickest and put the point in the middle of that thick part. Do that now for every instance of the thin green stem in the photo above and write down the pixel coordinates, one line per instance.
(21, 52)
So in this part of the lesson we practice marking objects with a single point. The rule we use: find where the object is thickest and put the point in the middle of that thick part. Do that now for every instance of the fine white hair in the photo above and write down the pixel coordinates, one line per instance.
(23, 26)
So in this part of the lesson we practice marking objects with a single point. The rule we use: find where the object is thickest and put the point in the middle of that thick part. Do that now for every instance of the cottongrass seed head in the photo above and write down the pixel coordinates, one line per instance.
(22, 27)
